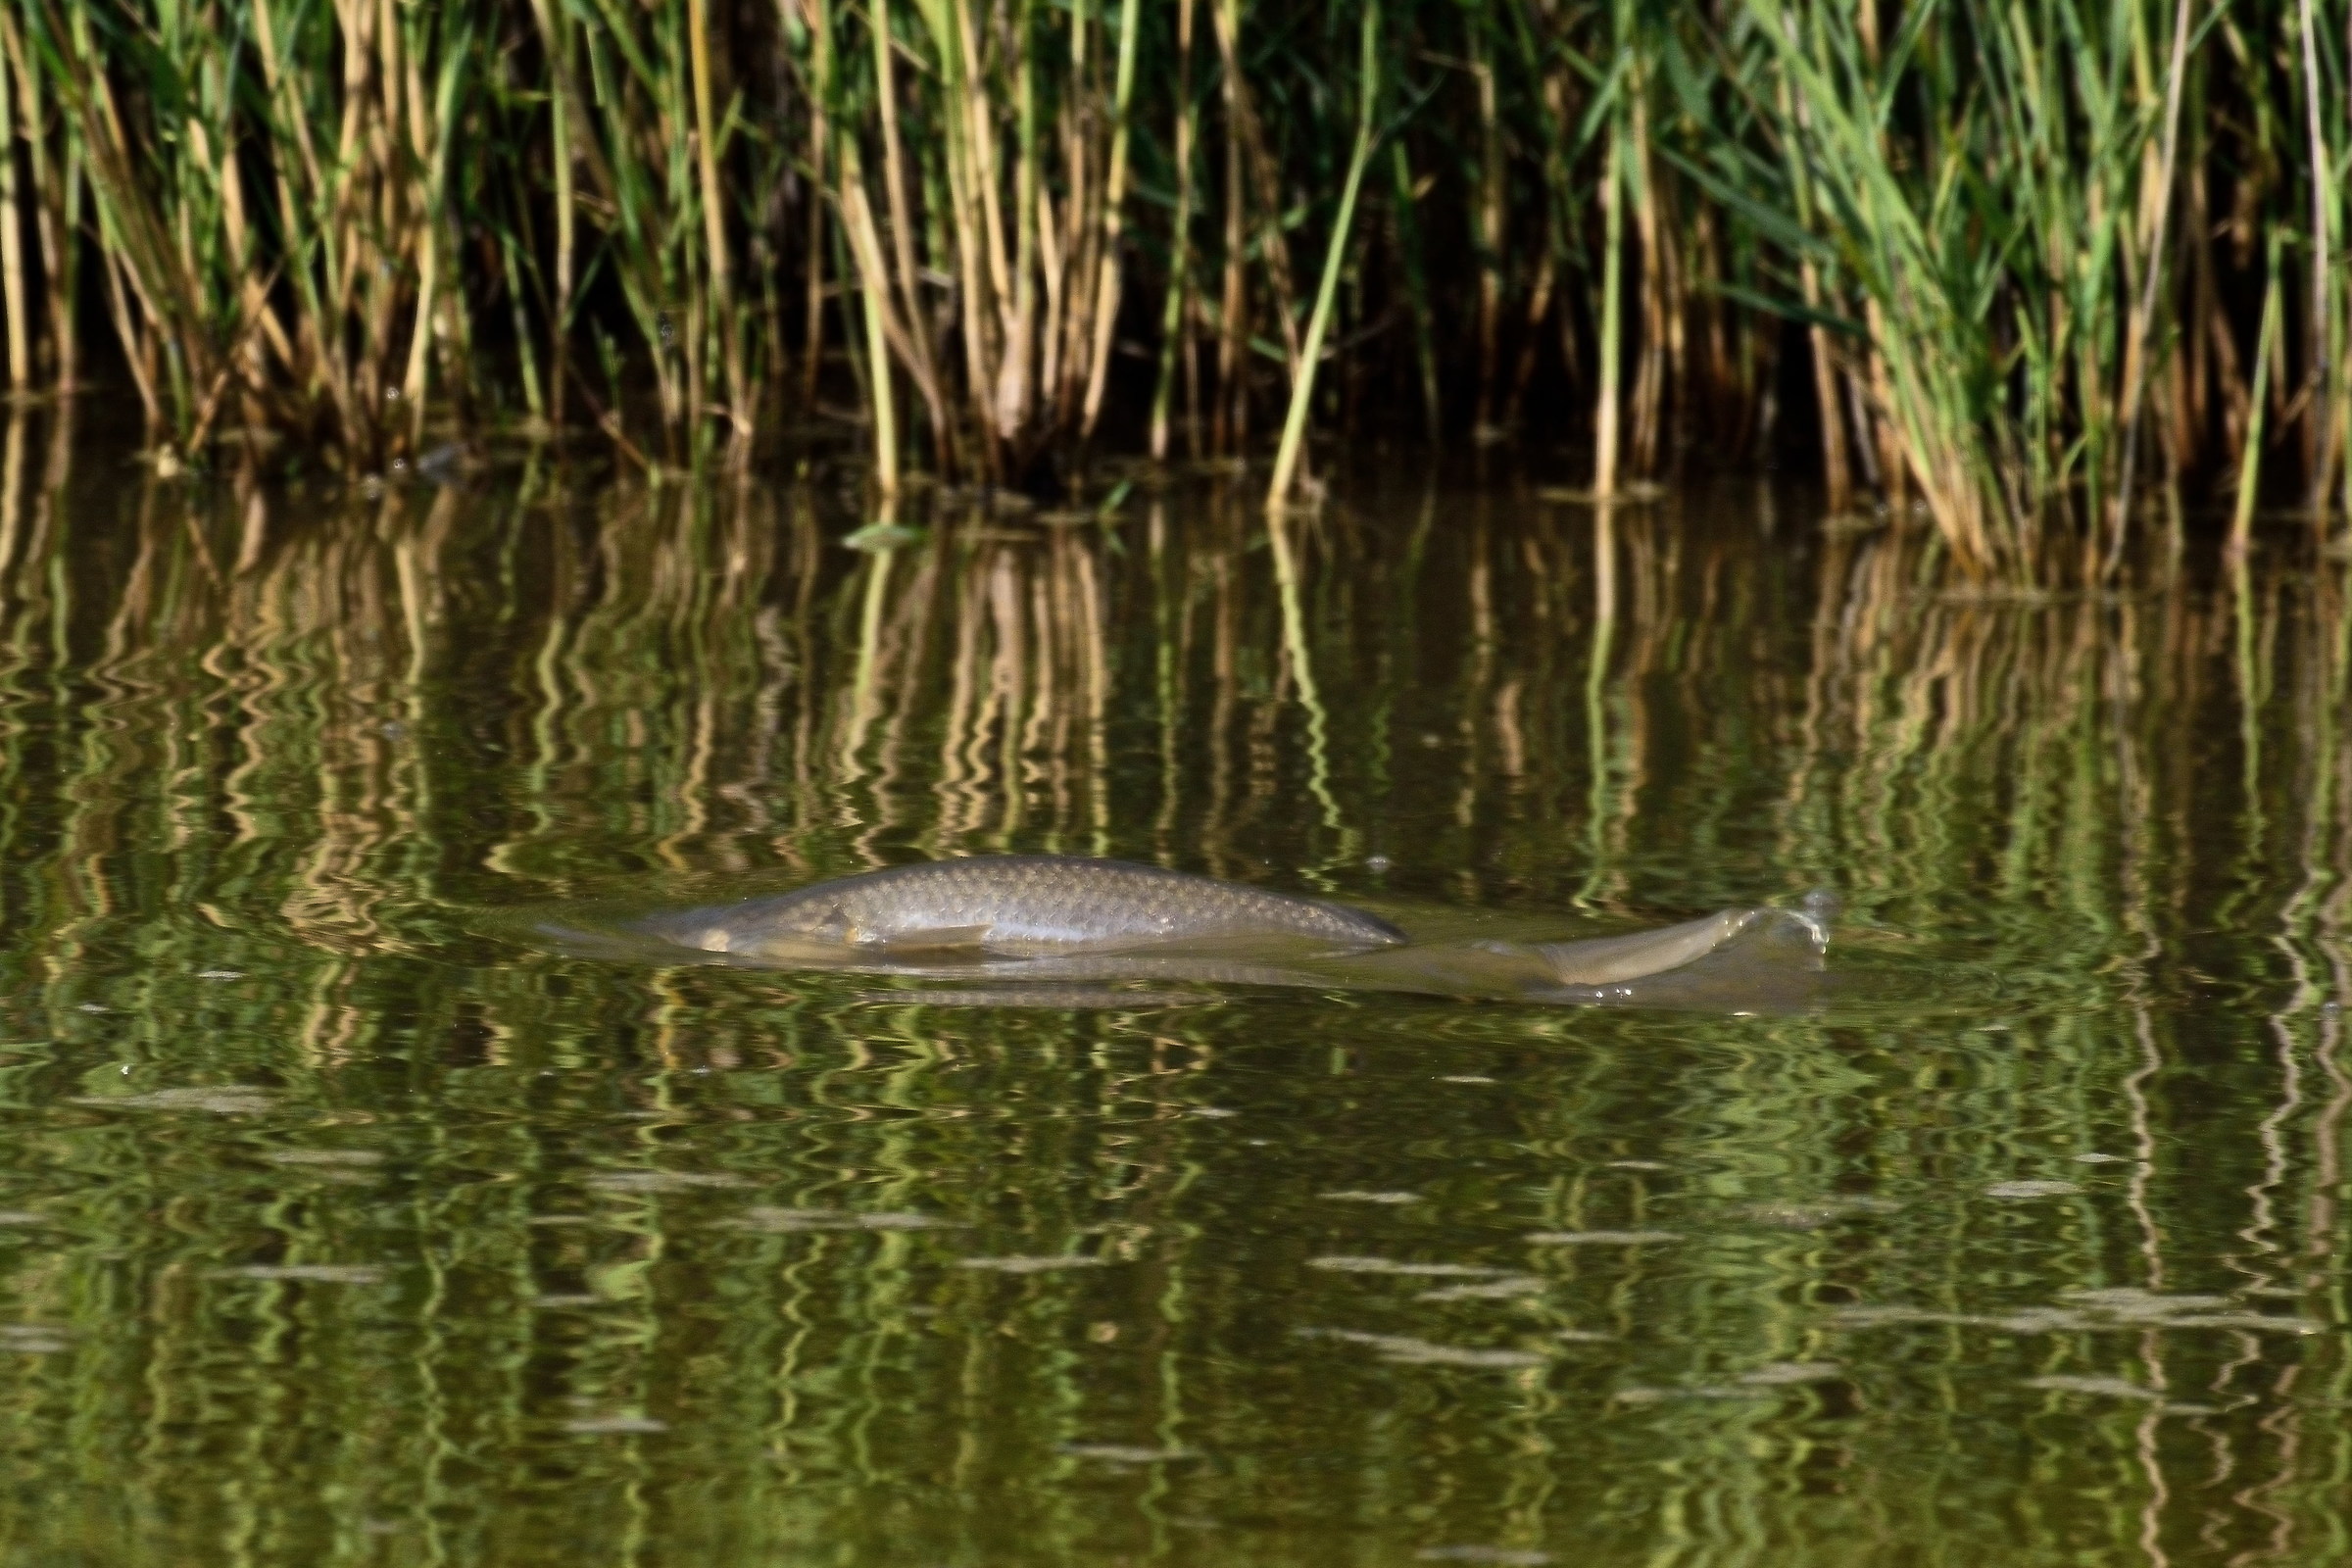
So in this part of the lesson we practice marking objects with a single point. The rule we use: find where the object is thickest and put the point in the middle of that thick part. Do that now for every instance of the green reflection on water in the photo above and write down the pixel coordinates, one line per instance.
(338, 1226)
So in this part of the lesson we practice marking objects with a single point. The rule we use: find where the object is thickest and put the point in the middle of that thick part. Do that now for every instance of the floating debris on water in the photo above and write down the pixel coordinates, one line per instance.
(1029, 1265)
(1811, 1215)
(315, 1273)
(1782, 1374)
(2094, 1158)
(881, 536)
(219, 975)
(1789, 1216)
(92, 1006)
(1601, 1238)
(2029, 1320)
(1869, 1315)
(660, 1180)
(561, 1303)
(1029, 994)
(780, 1221)
(2024, 1320)
(1467, 1078)
(2246, 1322)
(1341, 1264)
(1639, 1165)
(596, 1425)
(1407, 1350)
(2128, 1305)
(1504, 1289)
(1696, 1390)
(324, 1156)
(1509, 1557)
(34, 1339)
(19, 1216)
(222, 1099)
(2031, 1189)
(2109, 1388)
(2130, 1301)
(1213, 1112)
(1351, 1196)
(1122, 1454)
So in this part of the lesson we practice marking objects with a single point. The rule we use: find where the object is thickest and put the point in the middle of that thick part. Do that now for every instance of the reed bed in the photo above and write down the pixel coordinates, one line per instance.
(2006, 264)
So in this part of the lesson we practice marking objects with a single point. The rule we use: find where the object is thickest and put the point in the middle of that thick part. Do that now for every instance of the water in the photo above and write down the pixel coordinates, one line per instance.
(345, 1224)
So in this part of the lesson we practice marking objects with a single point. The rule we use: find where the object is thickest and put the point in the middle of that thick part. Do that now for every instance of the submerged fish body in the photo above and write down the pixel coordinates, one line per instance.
(1016, 905)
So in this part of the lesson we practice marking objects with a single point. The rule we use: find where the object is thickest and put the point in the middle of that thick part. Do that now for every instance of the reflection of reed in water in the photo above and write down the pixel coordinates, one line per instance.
(2099, 732)
(693, 679)
(242, 737)
(1026, 681)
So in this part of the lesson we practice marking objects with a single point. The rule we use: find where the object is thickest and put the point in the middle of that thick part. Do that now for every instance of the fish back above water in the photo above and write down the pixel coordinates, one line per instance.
(1014, 906)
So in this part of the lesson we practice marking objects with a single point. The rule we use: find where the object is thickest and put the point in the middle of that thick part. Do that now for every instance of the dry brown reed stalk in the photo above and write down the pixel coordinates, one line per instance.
(339, 325)
(54, 163)
(13, 301)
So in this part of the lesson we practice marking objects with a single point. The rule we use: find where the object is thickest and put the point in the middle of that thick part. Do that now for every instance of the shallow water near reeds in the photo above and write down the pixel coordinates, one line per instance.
(339, 1223)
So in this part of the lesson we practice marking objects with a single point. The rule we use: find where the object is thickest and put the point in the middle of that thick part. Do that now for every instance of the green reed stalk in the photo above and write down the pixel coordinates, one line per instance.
(528, 361)
(1487, 206)
(709, 133)
(2249, 469)
(1607, 416)
(2135, 346)
(1416, 291)
(1172, 323)
(1334, 256)
(1114, 218)
(1837, 480)
(857, 223)
(907, 276)
(430, 147)
(554, 21)
(2329, 313)
(1016, 377)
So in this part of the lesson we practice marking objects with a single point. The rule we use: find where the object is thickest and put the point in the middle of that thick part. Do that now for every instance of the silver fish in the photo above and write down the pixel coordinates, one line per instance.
(1014, 906)
(1041, 929)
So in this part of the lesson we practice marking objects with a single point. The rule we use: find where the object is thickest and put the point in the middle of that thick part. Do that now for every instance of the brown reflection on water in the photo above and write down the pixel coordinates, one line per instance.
(502, 1257)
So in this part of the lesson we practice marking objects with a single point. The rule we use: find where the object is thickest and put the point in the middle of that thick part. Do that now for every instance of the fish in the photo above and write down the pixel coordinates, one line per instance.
(1050, 930)
(1016, 906)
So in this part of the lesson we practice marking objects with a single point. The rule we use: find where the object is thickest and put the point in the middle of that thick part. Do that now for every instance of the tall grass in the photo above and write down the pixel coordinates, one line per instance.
(2004, 261)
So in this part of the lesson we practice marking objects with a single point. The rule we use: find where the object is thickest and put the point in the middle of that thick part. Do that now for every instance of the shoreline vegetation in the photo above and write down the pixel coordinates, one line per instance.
(2048, 271)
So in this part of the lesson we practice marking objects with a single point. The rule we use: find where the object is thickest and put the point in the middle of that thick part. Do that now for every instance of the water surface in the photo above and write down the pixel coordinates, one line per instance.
(339, 1224)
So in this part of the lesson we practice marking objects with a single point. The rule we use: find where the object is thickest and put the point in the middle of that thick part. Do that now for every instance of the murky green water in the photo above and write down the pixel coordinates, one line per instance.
(346, 1224)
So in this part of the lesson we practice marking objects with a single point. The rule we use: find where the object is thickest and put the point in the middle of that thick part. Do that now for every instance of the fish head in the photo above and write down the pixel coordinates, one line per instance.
(799, 931)
(767, 929)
